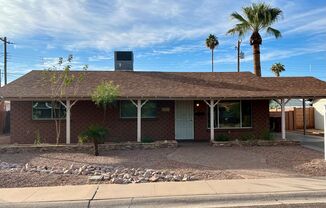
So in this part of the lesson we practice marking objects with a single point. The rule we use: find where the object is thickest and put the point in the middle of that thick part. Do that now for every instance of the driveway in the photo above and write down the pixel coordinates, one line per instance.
(308, 141)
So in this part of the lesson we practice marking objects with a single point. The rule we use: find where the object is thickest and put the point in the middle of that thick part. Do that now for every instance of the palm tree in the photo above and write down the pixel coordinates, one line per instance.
(211, 43)
(277, 69)
(257, 17)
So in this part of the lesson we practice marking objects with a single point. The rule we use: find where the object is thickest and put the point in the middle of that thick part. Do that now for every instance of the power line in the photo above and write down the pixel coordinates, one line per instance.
(5, 42)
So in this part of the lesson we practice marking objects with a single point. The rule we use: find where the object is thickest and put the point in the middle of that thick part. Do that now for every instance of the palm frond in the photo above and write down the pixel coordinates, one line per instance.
(256, 17)
(237, 16)
(274, 32)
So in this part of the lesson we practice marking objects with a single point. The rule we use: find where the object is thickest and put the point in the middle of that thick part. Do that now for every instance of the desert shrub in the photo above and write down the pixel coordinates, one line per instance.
(247, 137)
(267, 135)
(147, 140)
(222, 137)
(94, 133)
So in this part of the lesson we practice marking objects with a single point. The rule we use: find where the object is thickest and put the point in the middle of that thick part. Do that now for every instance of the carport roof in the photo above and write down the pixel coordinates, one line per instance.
(173, 85)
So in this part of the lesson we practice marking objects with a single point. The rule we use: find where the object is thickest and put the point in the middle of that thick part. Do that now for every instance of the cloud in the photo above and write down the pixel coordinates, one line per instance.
(111, 24)
(155, 30)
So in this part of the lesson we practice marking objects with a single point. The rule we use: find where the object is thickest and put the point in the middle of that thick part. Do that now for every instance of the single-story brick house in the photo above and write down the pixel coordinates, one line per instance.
(173, 105)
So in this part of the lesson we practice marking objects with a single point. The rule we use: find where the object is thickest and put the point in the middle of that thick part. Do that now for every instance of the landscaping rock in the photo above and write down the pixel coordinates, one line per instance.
(117, 180)
(154, 178)
(186, 178)
(117, 175)
(95, 178)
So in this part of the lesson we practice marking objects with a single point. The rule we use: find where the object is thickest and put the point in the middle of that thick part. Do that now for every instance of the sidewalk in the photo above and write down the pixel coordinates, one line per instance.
(223, 192)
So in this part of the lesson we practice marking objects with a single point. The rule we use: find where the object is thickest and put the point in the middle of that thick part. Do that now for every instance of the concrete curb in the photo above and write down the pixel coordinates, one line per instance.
(297, 199)
(218, 200)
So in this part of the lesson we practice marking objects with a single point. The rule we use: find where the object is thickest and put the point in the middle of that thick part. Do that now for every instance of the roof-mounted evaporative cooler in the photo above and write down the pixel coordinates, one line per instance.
(123, 61)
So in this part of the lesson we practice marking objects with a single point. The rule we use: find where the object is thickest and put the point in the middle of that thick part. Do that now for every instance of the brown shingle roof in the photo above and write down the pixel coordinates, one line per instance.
(176, 85)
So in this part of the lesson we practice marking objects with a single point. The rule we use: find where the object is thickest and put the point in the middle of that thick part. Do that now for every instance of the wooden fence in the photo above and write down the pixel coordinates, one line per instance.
(293, 118)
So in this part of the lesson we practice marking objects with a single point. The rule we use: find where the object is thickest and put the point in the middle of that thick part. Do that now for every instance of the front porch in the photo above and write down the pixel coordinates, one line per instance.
(145, 119)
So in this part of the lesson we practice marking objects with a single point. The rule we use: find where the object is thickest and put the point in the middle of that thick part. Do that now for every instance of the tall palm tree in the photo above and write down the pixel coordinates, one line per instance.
(277, 69)
(211, 43)
(257, 17)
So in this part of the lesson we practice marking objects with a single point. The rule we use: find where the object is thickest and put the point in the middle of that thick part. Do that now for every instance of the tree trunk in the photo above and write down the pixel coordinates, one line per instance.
(212, 60)
(256, 53)
(57, 130)
(95, 147)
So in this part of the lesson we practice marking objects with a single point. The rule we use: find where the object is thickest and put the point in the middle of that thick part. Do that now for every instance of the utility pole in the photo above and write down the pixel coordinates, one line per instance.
(5, 42)
(240, 54)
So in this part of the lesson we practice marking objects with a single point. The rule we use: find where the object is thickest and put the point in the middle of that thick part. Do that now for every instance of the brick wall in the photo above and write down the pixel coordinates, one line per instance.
(83, 114)
(260, 121)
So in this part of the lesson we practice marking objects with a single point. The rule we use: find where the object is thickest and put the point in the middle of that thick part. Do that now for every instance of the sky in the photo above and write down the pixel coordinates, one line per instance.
(165, 35)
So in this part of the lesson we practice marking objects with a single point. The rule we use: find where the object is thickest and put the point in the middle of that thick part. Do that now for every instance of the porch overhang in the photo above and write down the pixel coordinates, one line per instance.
(174, 98)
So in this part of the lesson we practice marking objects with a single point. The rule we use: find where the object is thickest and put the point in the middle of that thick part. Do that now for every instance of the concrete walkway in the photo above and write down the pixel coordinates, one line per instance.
(309, 141)
(221, 193)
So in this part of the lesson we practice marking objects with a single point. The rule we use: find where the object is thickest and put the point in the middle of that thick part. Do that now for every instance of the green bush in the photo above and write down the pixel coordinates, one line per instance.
(222, 138)
(94, 133)
(247, 137)
(267, 135)
(147, 140)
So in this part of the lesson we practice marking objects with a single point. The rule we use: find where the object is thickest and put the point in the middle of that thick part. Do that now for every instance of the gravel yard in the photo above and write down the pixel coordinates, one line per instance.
(199, 160)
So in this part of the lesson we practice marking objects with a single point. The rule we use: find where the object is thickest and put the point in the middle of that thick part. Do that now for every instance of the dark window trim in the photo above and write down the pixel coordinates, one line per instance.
(217, 115)
(47, 119)
(135, 117)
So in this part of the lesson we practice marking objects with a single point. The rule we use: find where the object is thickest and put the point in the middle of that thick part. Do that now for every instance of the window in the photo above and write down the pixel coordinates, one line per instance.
(231, 114)
(44, 110)
(129, 110)
(246, 113)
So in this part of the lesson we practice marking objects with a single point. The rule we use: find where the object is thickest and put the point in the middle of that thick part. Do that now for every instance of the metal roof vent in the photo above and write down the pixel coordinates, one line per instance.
(123, 61)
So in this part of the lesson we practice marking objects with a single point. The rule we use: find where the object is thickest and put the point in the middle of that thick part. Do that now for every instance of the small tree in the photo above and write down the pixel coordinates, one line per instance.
(104, 94)
(211, 43)
(64, 84)
(94, 133)
(277, 69)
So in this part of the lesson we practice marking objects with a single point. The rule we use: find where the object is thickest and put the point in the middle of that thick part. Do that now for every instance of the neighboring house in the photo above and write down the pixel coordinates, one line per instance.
(319, 107)
(176, 107)
(293, 103)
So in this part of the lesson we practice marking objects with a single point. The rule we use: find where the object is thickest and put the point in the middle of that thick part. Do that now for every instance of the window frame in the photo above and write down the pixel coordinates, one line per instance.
(52, 118)
(131, 117)
(217, 117)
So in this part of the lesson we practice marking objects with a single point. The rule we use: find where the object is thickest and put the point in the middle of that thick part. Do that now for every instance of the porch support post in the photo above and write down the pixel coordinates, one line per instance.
(283, 103)
(211, 104)
(212, 119)
(325, 132)
(139, 120)
(68, 107)
(139, 105)
(304, 116)
(283, 118)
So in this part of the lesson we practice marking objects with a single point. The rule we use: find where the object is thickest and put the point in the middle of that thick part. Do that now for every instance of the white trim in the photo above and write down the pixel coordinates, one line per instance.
(325, 133)
(283, 118)
(139, 106)
(212, 119)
